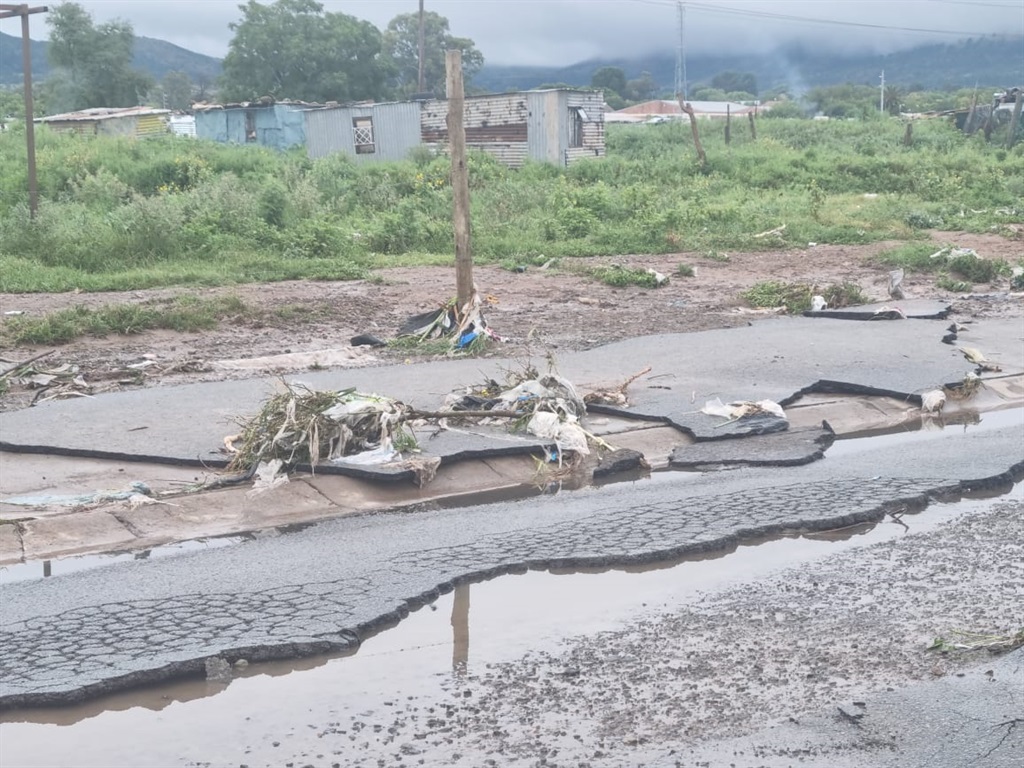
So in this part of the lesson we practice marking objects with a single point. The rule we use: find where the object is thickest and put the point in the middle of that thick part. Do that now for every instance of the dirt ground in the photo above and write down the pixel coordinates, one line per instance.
(535, 311)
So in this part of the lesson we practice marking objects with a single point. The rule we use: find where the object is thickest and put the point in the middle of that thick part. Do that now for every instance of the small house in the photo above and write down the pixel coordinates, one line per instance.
(557, 126)
(106, 121)
(279, 125)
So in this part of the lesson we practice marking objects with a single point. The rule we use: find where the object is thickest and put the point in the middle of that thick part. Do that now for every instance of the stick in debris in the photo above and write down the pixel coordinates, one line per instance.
(19, 366)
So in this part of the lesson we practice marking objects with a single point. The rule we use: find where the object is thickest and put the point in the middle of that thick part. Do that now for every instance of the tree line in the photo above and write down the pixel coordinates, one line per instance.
(287, 49)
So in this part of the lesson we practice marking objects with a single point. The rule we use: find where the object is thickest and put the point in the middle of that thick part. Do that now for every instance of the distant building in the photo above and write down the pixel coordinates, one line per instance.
(106, 121)
(183, 125)
(279, 125)
(666, 109)
(557, 126)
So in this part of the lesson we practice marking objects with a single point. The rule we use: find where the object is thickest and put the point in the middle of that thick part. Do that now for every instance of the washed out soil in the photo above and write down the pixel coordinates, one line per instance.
(536, 311)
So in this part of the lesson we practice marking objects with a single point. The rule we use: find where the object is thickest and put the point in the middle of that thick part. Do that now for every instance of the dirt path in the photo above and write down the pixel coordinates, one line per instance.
(537, 311)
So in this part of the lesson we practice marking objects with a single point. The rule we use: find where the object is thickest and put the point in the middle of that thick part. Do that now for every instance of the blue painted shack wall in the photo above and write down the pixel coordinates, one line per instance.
(278, 126)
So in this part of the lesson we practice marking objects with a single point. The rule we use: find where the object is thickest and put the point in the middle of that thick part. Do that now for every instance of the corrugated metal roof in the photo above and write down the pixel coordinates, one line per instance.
(664, 107)
(102, 113)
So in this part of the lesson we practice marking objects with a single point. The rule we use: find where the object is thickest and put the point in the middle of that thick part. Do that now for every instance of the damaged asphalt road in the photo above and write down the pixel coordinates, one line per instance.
(325, 587)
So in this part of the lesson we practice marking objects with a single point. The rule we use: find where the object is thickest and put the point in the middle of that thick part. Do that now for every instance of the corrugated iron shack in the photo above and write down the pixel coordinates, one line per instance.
(278, 125)
(367, 132)
(556, 126)
(109, 121)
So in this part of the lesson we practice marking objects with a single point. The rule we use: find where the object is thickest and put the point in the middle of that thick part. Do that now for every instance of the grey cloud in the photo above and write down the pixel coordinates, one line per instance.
(554, 32)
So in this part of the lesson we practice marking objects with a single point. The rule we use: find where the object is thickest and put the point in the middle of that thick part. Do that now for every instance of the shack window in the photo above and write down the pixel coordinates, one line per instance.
(576, 130)
(362, 135)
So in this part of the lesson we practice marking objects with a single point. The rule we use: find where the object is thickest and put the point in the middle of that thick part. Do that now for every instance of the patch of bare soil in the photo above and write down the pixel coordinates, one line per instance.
(536, 311)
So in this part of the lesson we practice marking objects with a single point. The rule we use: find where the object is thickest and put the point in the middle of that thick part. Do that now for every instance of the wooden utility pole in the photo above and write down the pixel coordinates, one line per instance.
(753, 128)
(422, 86)
(728, 126)
(8, 11)
(688, 109)
(1011, 137)
(460, 177)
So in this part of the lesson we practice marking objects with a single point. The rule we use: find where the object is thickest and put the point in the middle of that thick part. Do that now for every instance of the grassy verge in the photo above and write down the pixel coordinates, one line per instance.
(180, 314)
(120, 215)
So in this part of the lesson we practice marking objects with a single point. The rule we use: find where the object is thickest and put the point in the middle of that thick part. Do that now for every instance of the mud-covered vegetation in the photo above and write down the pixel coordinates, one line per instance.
(121, 215)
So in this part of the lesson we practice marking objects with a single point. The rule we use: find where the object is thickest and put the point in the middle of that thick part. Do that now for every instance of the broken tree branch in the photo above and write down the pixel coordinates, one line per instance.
(19, 366)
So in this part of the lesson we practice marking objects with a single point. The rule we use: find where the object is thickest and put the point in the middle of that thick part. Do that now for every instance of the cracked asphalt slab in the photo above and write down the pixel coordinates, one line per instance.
(78, 636)
(777, 360)
(322, 588)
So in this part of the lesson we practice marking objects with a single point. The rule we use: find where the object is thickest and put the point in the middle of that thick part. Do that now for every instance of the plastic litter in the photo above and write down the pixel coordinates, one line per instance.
(269, 475)
(895, 283)
(757, 418)
(818, 304)
(933, 401)
(81, 499)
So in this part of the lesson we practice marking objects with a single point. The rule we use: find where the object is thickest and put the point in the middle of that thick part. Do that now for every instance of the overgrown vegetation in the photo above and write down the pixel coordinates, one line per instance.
(798, 297)
(923, 257)
(120, 215)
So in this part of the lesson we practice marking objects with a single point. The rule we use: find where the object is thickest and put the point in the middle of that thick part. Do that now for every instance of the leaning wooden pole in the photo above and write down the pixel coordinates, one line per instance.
(688, 109)
(460, 177)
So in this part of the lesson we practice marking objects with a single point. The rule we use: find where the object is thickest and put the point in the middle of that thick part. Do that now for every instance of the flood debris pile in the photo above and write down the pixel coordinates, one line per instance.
(306, 426)
(301, 427)
(49, 382)
(463, 326)
(544, 405)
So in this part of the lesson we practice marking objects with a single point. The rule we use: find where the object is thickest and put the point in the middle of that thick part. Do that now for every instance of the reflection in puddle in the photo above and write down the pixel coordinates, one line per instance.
(35, 569)
(300, 709)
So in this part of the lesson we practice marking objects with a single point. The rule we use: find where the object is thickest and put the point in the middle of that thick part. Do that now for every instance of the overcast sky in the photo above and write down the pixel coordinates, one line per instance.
(554, 32)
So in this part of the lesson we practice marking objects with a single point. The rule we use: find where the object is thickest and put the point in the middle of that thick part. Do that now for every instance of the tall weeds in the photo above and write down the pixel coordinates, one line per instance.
(118, 214)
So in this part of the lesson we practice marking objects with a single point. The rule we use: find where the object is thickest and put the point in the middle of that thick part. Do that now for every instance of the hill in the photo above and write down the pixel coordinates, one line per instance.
(995, 60)
(155, 57)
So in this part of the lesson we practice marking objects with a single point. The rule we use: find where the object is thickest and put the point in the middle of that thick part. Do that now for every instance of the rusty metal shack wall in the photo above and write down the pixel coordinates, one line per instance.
(396, 130)
(514, 127)
(496, 124)
(593, 126)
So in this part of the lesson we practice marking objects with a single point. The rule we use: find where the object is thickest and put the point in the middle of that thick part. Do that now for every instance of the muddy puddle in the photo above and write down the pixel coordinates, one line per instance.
(341, 710)
(35, 569)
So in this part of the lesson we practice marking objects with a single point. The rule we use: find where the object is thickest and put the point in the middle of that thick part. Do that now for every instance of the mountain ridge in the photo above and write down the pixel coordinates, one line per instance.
(996, 60)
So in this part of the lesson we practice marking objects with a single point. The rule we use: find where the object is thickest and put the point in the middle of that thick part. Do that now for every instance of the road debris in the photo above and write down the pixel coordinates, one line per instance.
(933, 401)
(766, 413)
(975, 356)
(895, 285)
(615, 396)
(136, 488)
(960, 640)
(463, 325)
(888, 313)
(305, 426)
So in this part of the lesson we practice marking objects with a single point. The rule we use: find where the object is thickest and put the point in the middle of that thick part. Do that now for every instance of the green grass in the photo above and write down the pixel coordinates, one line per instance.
(685, 270)
(121, 215)
(618, 276)
(798, 297)
(185, 314)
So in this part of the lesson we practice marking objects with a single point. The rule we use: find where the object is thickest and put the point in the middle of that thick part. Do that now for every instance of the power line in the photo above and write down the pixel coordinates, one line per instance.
(726, 10)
